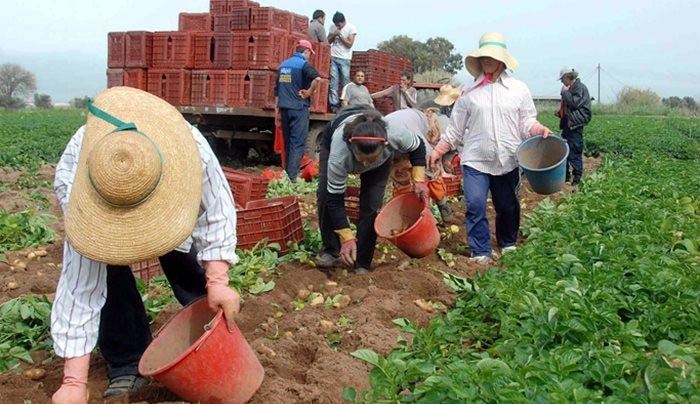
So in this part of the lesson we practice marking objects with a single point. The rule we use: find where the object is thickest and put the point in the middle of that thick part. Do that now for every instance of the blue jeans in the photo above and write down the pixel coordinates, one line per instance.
(505, 201)
(340, 68)
(295, 127)
(574, 137)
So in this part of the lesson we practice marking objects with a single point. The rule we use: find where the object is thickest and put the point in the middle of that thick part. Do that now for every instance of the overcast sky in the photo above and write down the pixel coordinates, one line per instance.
(638, 43)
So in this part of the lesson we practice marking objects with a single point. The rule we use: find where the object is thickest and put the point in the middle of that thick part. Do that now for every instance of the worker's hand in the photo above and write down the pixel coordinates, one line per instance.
(75, 378)
(348, 252)
(539, 129)
(434, 160)
(219, 294)
(420, 190)
(304, 93)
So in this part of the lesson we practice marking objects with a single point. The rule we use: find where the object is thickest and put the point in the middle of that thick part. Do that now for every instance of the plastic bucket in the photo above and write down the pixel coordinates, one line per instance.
(196, 357)
(406, 221)
(543, 160)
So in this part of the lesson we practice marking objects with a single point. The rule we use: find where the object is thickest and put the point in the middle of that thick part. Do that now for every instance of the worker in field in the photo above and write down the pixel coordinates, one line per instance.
(490, 119)
(446, 99)
(296, 82)
(136, 182)
(360, 141)
(341, 36)
(317, 28)
(356, 93)
(574, 114)
(403, 95)
(429, 125)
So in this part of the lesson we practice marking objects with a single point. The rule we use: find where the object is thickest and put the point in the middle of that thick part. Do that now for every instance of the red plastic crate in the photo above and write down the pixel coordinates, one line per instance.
(173, 50)
(147, 270)
(352, 203)
(259, 183)
(252, 88)
(322, 59)
(270, 19)
(384, 105)
(277, 219)
(237, 20)
(453, 185)
(209, 87)
(136, 78)
(213, 50)
(260, 49)
(299, 25)
(139, 49)
(233, 4)
(217, 7)
(172, 85)
(240, 189)
(116, 49)
(195, 22)
(115, 77)
(319, 100)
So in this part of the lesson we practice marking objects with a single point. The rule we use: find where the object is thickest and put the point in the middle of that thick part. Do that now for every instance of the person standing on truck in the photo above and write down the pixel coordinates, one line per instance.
(490, 119)
(296, 81)
(574, 114)
(356, 93)
(341, 36)
(360, 141)
(403, 95)
(317, 28)
(135, 182)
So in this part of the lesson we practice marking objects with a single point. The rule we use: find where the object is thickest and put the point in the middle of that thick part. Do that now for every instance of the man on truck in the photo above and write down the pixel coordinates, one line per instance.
(297, 79)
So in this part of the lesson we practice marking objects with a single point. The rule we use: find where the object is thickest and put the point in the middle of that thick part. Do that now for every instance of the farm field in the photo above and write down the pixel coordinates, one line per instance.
(599, 303)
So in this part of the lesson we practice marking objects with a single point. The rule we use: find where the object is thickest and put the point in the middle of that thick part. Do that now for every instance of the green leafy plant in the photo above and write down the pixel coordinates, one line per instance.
(24, 327)
(24, 229)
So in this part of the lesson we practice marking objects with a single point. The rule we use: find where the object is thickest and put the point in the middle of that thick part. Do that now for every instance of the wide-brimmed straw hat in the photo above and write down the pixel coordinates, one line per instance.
(138, 183)
(491, 44)
(448, 95)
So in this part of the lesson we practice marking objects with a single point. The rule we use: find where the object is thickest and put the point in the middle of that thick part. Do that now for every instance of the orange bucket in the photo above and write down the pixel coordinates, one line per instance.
(196, 357)
(406, 221)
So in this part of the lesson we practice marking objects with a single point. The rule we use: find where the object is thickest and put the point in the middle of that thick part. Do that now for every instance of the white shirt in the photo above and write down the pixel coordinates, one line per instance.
(490, 122)
(82, 287)
(338, 48)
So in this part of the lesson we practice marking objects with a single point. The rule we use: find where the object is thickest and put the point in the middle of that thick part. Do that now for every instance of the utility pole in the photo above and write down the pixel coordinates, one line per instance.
(598, 83)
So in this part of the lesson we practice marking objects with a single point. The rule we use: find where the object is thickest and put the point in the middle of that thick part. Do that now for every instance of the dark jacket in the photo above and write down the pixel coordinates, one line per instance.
(293, 75)
(577, 106)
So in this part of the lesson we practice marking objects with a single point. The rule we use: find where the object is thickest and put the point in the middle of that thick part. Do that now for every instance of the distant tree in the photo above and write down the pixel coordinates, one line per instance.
(11, 102)
(15, 83)
(672, 102)
(42, 101)
(79, 102)
(434, 54)
(634, 97)
(690, 103)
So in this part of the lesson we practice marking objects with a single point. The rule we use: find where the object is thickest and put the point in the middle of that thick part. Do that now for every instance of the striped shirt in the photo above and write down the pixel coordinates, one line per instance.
(82, 287)
(491, 121)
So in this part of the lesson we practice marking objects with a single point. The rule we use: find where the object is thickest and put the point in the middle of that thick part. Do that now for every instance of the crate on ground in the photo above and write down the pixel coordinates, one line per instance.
(258, 182)
(453, 185)
(352, 203)
(173, 50)
(209, 87)
(213, 50)
(147, 270)
(277, 219)
(195, 22)
(260, 49)
(116, 49)
(139, 49)
(172, 85)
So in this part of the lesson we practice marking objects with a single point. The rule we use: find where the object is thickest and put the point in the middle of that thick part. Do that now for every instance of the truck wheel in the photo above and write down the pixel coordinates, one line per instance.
(313, 139)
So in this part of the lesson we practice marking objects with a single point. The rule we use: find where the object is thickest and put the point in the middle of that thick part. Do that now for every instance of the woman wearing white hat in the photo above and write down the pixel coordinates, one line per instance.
(490, 119)
(135, 182)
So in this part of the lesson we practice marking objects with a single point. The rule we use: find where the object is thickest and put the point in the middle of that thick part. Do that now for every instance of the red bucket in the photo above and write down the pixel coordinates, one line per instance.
(196, 357)
(406, 221)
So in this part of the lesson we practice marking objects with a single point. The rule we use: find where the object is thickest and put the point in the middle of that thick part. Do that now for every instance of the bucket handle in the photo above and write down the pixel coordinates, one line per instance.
(207, 327)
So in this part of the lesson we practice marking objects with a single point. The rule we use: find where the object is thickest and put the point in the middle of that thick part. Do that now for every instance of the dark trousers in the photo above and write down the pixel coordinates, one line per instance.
(503, 188)
(372, 187)
(295, 128)
(574, 137)
(124, 327)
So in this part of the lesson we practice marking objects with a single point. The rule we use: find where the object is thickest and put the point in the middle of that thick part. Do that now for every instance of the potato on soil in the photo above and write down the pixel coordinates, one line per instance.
(34, 374)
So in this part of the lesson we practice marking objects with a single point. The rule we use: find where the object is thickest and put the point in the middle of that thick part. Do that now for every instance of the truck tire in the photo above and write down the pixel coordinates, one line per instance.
(313, 139)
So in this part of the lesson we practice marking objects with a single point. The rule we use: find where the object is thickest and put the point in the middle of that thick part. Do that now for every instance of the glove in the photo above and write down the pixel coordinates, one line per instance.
(219, 294)
(348, 252)
(420, 189)
(75, 377)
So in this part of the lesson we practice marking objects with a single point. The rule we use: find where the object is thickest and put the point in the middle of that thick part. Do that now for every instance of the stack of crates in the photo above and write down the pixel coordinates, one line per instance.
(226, 57)
(382, 70)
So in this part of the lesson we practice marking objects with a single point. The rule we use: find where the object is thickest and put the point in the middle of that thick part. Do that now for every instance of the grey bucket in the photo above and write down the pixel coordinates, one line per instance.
(543, 160)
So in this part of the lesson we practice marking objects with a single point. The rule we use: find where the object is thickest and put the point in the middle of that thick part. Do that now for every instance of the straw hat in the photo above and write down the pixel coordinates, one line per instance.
(448, 95)
(138, 184)
(491, 44)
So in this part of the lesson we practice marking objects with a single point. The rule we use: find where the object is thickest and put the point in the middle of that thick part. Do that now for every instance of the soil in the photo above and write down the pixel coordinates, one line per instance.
(305, 352)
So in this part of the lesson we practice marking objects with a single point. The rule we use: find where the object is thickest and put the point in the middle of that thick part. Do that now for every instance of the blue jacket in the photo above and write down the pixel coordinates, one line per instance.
(293, 75)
